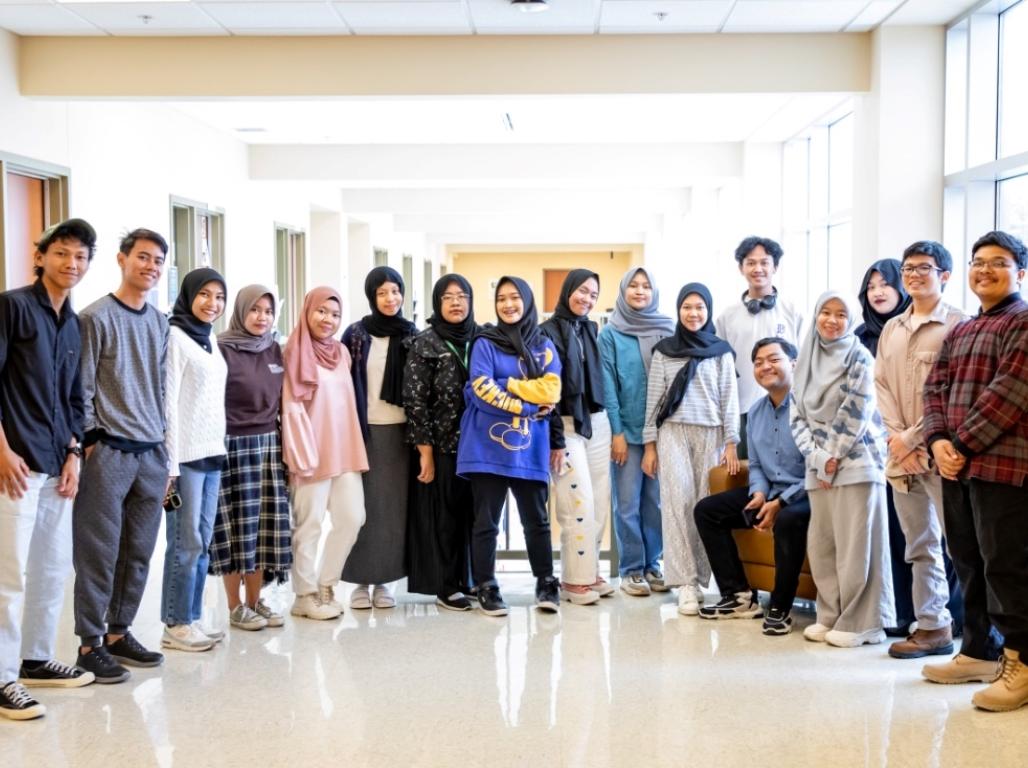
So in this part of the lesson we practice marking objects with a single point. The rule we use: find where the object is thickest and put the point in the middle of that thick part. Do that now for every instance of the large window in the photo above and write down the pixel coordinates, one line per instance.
(290, 275)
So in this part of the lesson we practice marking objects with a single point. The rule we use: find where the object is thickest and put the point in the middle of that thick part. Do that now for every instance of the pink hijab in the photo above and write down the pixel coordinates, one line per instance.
(304, 353)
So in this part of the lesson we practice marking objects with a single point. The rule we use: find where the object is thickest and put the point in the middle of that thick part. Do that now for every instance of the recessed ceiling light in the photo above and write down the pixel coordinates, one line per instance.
(530, 6)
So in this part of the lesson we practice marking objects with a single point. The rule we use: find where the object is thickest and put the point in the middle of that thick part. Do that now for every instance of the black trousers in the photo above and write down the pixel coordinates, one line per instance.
(718, 515)
(489, 493)
(988, 541)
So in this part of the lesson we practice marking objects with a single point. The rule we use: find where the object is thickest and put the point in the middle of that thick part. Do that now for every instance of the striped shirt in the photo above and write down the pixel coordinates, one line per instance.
(711, 399)
(977, 393)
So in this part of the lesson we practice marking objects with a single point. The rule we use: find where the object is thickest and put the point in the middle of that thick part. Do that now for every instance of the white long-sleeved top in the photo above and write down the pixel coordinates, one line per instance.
(194, 400)
(711, 399)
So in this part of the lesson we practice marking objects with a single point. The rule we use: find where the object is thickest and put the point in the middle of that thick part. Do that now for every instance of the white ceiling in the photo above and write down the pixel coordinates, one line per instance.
(463, 17)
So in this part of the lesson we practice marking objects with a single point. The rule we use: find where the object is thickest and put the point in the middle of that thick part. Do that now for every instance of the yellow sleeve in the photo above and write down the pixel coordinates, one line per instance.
(543, 391)
(491, 393)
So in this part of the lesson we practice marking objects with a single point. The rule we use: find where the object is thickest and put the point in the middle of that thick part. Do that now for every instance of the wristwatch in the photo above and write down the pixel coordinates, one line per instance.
(74, 449)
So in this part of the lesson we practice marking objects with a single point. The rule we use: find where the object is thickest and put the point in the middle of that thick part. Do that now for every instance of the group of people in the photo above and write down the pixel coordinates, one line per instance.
(893, 456)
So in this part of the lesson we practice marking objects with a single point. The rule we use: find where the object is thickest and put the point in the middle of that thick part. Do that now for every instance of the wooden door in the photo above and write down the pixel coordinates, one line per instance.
(553, 281)
(26, 220)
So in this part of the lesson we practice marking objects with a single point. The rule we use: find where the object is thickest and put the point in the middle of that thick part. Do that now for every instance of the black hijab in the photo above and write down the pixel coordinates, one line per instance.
(459, 334)
(182, 316)
(581, 390)
(519, 338)
(694, 345)
(396, 328)
(874, 321)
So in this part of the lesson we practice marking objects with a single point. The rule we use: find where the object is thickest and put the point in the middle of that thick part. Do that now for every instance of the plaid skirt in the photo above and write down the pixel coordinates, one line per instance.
(252, 530)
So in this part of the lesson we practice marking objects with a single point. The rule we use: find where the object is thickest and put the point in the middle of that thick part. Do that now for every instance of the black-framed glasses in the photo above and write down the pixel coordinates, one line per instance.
(919, 269)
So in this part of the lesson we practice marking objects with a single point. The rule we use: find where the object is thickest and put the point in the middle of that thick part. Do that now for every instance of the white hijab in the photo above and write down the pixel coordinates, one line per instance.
(822, 366)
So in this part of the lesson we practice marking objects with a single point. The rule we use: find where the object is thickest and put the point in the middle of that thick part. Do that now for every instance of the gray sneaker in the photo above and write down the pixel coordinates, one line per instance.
(274, 619)
(244, 617)
(656, 581)
(635, 584)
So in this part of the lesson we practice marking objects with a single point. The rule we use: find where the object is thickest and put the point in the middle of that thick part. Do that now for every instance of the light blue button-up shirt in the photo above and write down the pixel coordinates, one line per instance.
(777, 467)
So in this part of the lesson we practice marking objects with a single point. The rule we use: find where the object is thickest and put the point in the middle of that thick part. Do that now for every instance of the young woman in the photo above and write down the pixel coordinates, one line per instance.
(514, 382)
(194, 409)
(439, 533)
(378, 346)
(252, 542)
(579, 440)
(692, 418)
(837, 427)
(626, 348)
(324, 452)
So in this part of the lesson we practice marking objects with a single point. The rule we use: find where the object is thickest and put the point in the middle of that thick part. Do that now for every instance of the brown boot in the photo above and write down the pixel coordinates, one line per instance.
(962, 669)
(924, 642)
(1010, 690)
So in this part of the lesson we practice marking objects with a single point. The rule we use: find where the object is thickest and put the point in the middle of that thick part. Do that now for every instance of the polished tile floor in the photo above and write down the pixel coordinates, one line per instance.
(624, 683)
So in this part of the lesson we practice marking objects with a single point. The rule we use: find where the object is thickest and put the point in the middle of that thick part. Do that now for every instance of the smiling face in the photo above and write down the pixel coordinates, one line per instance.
(455, 304)
(388, 298)
(693, 312)
(64, 263)
(994, 275)
(882, 296)
(260, 318)
(209, 302)
(639, 292)
(759, 270)
(832, 319)
(923, 287)
(510, 307)
(323, 319)
(141, 267)
(772, 368)
(584, 297)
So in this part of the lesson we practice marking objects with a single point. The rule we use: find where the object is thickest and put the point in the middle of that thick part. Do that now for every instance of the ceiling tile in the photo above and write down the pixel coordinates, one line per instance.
(407, 16)
(275, 15)
(165, 18)
(792, 15)
(873, 15)
(930, 11)
(679, 15)
(43, 19)
(563, 17)
(26, 2)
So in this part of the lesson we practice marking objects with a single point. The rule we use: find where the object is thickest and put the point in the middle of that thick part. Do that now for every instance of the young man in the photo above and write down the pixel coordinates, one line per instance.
(760, 313)
(776, 500)
(975, 400)
(118, 512)
(40, 445)
(907, 347)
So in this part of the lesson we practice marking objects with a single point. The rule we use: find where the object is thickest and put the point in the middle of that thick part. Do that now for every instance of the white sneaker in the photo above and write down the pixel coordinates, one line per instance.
(185, 637)
(214, 634)
(816, 633)
(634, 584)
(308, 606)
(689, 599)
(274, 618)
(245, 617)
(382, 597)
(854, 639)
(360, 598)
(327, 596)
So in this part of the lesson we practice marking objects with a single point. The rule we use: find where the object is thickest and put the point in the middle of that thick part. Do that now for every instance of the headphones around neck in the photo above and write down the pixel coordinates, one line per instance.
(754, 306)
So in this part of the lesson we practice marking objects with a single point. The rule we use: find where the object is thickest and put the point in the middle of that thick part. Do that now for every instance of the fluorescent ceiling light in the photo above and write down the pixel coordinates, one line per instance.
(109, 2)
(530, 6)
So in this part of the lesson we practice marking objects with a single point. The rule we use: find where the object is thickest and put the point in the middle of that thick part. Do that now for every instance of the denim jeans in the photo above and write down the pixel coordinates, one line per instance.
(636, 500)
(189, 530)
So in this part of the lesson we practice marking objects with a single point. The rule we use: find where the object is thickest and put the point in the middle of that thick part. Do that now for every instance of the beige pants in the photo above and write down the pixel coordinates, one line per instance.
(343, 498)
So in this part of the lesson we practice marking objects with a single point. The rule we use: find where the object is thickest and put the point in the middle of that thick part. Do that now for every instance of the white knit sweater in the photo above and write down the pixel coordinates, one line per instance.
(194, 400)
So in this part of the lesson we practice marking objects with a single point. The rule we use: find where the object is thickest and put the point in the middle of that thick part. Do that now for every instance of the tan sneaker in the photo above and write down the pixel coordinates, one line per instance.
(1010, 690)
(961, 669)
(924, 642)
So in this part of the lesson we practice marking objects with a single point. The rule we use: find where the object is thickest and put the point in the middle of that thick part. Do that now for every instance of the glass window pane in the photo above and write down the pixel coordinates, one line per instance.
(1013, 74)
(819, 174)
(840, 165)
(1012, 211)
(795, 183)
(840, 257)
(956, 98)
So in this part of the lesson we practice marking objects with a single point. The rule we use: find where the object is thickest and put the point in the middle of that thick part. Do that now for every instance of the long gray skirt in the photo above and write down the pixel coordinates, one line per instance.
(379, 556)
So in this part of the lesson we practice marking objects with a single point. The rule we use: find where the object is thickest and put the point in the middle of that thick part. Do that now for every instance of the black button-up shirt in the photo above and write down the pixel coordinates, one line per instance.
(40, 392)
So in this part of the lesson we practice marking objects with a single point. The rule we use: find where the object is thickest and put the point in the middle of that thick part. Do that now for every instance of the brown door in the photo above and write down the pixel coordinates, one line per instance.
(553, 281)
(26, 219)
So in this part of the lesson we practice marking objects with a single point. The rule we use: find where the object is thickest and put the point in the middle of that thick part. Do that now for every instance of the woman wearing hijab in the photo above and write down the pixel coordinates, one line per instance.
(194, 410)
(439, 537)
(836, 425)
(692, 418)
(579, 440)
(514, 383)
(378, 345)
(324, 452)
(252, 542)
(626, 348)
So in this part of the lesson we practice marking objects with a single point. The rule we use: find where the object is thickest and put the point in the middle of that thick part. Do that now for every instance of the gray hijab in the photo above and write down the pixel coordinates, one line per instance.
(237, 337)
(647, 325)
(822, 366)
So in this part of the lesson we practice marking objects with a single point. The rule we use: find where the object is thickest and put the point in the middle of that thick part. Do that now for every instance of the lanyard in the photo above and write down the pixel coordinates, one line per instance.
(462, 358)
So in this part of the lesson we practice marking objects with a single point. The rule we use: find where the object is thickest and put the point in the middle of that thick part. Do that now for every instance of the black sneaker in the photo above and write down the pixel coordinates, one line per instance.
(16, 704)
(54, 674)
(130, 651)
(454, 602)
(740, 605)
(490, 601)
(547, 594)
(777, 622)
(100, 662)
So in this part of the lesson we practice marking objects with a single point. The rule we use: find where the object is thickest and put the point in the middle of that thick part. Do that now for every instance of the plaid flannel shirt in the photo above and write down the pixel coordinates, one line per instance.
(977, 393)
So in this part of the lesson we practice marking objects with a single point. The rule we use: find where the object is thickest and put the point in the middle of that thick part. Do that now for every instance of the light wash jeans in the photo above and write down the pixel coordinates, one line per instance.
(189, 529)
(636, 515)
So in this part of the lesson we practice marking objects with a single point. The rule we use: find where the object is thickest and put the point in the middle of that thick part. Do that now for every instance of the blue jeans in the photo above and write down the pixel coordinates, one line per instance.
(189, 530)
(636, 500)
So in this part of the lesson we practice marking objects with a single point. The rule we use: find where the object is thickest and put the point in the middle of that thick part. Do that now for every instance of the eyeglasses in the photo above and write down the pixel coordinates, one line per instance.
(995, 265)
(455, 298)
(920, 269)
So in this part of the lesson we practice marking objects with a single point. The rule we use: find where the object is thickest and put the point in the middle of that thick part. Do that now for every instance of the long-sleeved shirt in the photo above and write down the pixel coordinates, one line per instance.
(433, 392)
(624, 381)
(123, 355)
(194, 403)
(977, 393)
(711, 399)
(40, 390)
(855, 437)
(777, 468)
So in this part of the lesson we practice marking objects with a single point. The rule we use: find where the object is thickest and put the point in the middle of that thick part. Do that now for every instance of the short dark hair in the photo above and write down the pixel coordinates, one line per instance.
(71, 229)
(128, 242)
(773, 249)
(787, 348)
(1007, 242)
(943, 259)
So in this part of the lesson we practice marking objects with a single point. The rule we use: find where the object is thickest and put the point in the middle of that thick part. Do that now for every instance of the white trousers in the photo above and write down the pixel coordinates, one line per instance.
(582, 496)
(920, 516)
(35, 560)
(343, 498)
